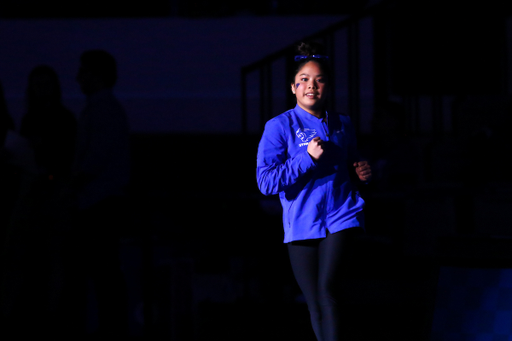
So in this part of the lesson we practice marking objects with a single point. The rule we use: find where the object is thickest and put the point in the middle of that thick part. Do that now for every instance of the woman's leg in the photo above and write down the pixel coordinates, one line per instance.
(304, 261)
(334, 257)
(319, 268)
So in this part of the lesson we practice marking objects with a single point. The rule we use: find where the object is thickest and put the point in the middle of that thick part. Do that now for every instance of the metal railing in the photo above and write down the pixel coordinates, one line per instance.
(362, 65)
(349, 32)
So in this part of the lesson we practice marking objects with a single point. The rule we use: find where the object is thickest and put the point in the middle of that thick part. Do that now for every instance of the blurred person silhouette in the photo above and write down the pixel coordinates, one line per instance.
(100, 175)
(48, 125)
(50, 128)
(8, 187)
(6, 125)
(15, 150)
(17, 176)
(9, 180)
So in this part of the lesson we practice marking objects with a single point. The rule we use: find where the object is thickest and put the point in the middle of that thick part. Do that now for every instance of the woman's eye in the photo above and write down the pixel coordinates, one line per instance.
(304, 79)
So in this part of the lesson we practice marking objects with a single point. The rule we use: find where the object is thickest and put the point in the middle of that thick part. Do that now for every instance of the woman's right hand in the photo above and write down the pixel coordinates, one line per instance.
(315, 148)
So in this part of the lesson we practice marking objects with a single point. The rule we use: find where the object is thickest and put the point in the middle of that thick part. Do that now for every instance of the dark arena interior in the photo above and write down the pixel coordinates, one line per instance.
(199, 249)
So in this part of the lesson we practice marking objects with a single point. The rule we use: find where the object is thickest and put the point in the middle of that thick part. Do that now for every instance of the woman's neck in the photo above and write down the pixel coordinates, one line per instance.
(318, 113)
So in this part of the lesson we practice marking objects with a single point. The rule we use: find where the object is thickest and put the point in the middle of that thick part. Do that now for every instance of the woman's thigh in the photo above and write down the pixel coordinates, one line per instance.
(319, 265)
(304, 261)
(335, 255)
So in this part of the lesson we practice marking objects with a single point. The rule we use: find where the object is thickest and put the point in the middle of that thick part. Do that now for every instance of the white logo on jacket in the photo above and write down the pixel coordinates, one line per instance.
(305, 135)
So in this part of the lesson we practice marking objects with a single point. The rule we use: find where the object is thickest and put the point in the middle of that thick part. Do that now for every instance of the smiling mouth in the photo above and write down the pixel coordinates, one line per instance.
(311, 95)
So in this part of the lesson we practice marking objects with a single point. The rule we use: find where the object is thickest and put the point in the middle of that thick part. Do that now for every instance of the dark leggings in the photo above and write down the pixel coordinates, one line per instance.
(318, 266)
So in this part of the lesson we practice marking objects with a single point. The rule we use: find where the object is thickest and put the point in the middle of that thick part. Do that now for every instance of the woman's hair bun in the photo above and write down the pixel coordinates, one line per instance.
(309, 48)
(305, 52)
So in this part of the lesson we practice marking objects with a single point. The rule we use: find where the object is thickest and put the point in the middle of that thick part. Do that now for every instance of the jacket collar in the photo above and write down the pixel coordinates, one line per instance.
(305, 115)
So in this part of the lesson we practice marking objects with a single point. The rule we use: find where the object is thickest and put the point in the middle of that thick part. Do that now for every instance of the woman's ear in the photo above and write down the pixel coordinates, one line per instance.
(293, 88)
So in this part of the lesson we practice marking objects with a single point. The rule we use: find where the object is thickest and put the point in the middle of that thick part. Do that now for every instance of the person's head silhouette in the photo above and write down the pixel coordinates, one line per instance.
(43, 87)
(98, 71)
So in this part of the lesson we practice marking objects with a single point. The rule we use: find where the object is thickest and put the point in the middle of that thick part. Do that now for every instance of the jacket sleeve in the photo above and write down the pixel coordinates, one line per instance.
(275, 170)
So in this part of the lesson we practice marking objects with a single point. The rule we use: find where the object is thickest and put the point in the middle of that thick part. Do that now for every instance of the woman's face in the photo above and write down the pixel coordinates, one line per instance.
(310, 88)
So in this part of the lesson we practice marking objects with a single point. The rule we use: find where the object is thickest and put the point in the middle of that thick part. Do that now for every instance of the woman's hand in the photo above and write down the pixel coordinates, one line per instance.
(363, 170)
(315, 148)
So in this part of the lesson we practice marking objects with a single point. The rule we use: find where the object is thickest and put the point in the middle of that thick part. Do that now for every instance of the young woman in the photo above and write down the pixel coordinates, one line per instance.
(308, 157)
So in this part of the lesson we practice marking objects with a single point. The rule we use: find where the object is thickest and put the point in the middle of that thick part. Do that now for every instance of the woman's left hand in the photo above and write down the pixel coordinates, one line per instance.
(363, 170)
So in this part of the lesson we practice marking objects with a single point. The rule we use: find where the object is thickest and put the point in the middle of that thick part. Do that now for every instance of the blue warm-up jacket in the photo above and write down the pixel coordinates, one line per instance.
(315, 196)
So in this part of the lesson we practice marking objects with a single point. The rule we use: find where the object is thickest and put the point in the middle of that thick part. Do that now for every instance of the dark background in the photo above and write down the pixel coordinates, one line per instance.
(202, 249)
